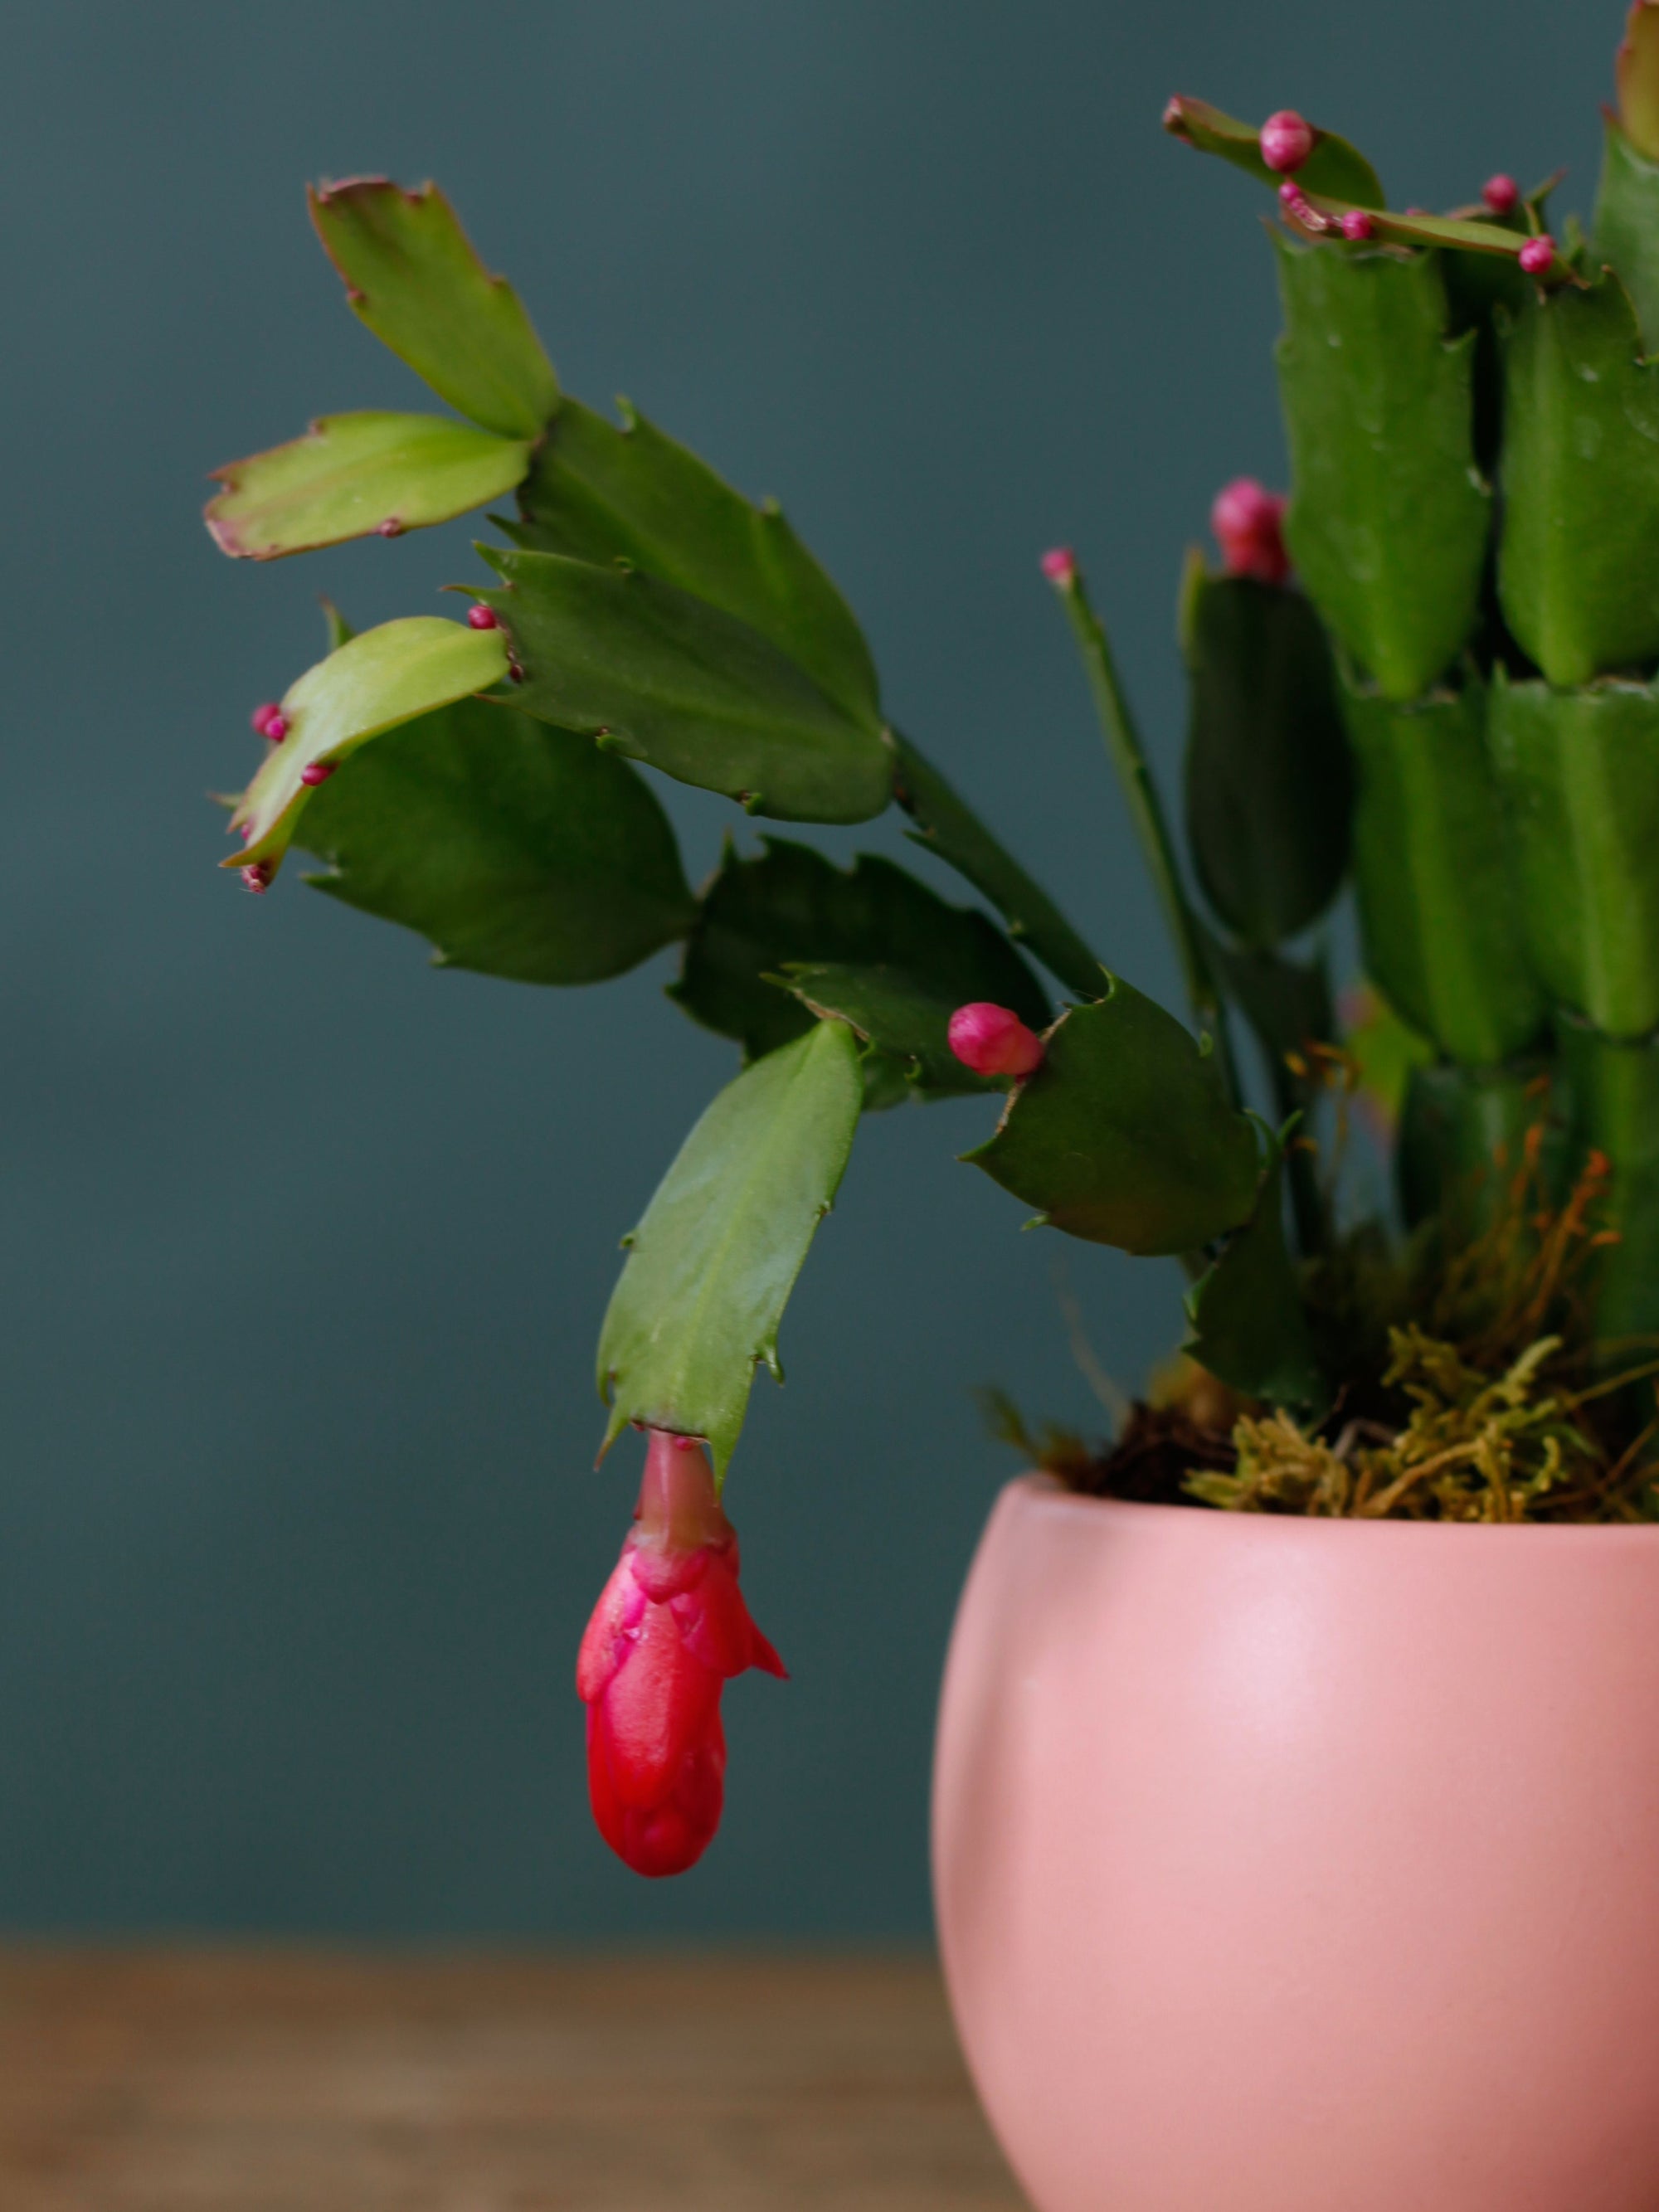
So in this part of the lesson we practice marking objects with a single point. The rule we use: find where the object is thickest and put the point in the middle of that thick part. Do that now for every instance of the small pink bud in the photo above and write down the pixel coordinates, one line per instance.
(1286, 140)
(994, 1040)
(1059, 567)
(515, 672)
(391, 527)
(483, 617)
(1172, 116)
(318, 772)
(1501, 194)
(1537, 254)
(257, 876)
(1247, 521)
(1357, 226)
(262, 717)
(276, 727)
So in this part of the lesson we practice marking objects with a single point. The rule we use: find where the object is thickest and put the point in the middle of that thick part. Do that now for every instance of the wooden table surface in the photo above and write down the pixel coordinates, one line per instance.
(297, 2081)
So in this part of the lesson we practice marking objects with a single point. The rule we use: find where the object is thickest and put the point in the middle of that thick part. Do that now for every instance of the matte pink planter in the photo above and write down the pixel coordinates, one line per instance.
(1301, 1865)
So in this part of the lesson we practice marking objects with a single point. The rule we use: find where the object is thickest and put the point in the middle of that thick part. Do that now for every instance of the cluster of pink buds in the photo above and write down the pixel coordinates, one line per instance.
(271, 722)
(670, 1631)
(992, 1040)
(256, 877)
(1248, 522)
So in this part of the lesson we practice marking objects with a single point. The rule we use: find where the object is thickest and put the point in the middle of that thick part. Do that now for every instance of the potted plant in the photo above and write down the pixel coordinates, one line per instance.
(1296, 1811)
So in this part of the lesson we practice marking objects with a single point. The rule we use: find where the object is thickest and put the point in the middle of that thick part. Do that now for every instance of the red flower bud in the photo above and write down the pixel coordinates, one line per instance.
(1357, 226)
(1286, 140)
(994, 1040)
(670, 1631)
(1059, 567)
(481, 617)
(263, 717)
(257, 876)
(1249, 524)
(1501, 194)
(317, 772)
(1537, 254)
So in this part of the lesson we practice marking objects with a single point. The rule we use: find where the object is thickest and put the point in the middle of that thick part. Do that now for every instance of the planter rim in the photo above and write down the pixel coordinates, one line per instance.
(1046, 1493)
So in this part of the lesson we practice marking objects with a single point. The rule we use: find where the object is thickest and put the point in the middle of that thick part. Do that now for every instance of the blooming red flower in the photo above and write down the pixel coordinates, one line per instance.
(670, 1631)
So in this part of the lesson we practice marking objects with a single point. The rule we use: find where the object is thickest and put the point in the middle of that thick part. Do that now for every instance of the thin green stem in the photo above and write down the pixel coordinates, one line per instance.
(947, 825)
(1128, 757)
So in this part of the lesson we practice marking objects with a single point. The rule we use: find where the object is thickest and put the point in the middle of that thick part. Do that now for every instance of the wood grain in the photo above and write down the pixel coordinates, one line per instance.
(267, 2082)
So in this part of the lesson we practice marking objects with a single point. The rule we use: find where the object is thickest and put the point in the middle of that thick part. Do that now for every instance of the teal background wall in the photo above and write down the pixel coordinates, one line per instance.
(304, 1246)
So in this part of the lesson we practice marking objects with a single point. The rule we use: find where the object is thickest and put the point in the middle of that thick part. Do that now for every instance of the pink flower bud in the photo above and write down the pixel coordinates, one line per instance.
(391, 527)
(1059, 567)
(670, 1631)
(481, 617)
(1357, 226)
(1286, 140)
(263, 716)
(1537, 254)
(317, 772)
(1247, 521)
(994, 1040)
(276, 727)
(257, 876)
(1501, 194)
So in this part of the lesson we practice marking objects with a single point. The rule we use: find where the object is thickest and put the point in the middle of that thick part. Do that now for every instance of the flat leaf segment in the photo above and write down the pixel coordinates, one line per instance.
(711, 1264)
(412, 275)
(670, 679)
(353, 474)
(385, 677)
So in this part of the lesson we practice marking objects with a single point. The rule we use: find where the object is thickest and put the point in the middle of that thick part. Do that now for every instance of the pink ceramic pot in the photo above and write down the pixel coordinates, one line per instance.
(1306, 1866)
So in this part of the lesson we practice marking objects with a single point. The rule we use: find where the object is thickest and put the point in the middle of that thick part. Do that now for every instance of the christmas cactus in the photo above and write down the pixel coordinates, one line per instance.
(1430, 671)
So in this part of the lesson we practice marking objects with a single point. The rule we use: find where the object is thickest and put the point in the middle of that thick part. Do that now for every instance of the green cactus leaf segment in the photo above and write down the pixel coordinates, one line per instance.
(1578, 569)
(1269, 788)
(947, 826)
(711, 1264)
(1388, 515)
(1437, 901)
(759, 917)
(1457, 234)
(353, 474)
(1124, 1135)
(1627, 225)
(601, 494)
(1249, 1325)
(518, 850)
(1579, 773)
(1287, 1003)
(1333, 166)
(1614, 1091)
(383, 677)
(902, 1021)
(668, 679)
(412, 275)
(1638, 73)
(1460, 1133)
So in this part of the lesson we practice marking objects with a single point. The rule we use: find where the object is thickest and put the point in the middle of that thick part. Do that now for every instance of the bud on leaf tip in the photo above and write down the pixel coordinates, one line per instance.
(318, 772)
(1357, 226)
(276, 726)
(1638, 73)
(257, 876)
(994, 1040)
(1286, 140)
(1537, 254)
(481, 617)
(1059, 567)
(1247, 521)
(263, 716)
(1502, 194)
